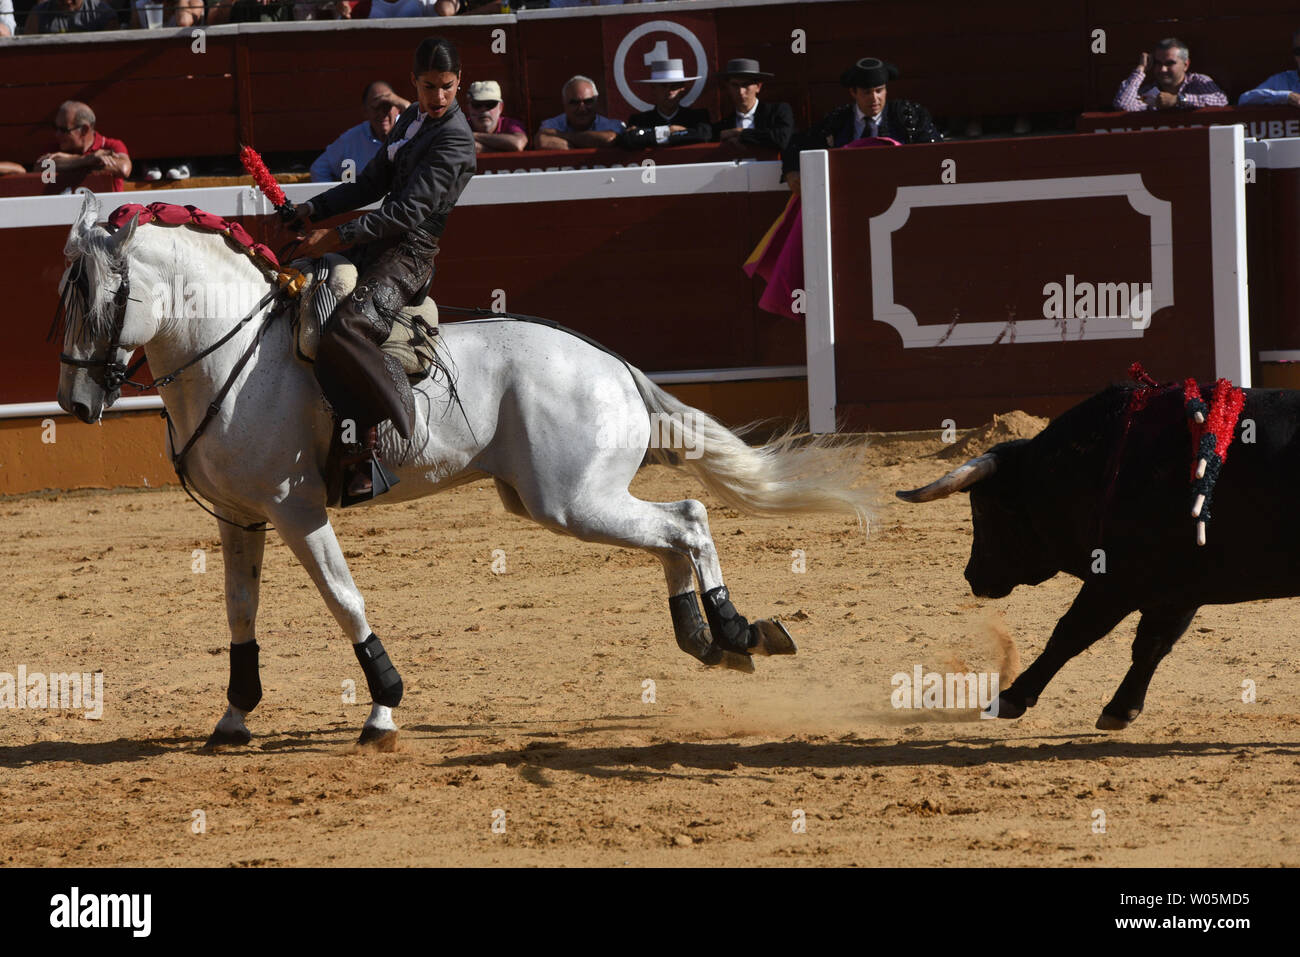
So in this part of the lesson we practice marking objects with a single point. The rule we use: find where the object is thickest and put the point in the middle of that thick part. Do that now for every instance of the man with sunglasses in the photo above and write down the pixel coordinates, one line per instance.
(1163, 83)
(80, 150)
(580, 126)
(1280, 89)
(493, 133)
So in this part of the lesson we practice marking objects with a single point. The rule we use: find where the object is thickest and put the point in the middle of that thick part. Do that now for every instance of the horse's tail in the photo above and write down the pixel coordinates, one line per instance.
(790, 473)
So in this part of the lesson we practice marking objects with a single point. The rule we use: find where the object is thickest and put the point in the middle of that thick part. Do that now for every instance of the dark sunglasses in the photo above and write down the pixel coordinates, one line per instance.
(67, 129)
(484, 104)
(1173, 62)
(589, 101)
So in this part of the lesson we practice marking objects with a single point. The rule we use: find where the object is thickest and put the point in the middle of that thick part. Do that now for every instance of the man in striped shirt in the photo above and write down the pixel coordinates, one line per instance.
(1163, 83)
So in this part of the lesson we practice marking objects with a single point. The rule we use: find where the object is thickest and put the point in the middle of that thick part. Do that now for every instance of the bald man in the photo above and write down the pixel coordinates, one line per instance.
(381, 107)
(80, 149)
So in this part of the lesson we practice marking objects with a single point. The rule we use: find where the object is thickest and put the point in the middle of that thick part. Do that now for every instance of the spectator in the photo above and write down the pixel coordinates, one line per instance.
(70, 16)
(443, 8)
(1172, 88)
(750, 121)
(669, 122)
(331, 9)
(493, 133)
(152, 14)
(8, 25)
(381, 108)
(870, 114)
(251, 11)
(579, 126)
(80, 149)
(386, 10)
(1280, 89)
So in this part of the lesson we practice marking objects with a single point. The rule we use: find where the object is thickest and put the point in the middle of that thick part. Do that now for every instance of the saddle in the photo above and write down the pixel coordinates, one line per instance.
(332, 279)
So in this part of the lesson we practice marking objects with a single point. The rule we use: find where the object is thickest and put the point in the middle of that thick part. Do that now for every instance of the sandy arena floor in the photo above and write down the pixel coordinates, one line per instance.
(524, 694)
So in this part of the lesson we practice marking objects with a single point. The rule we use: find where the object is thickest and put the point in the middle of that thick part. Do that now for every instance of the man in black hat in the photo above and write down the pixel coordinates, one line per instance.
(752, 122)
(871, 113)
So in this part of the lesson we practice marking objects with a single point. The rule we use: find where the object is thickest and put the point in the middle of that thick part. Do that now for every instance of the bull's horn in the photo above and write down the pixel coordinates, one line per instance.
(962, 477)
(89, 214)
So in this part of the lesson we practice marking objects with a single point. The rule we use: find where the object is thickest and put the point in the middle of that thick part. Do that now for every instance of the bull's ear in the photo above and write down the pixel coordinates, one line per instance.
(959, 479)
(118, 241)
(89, 213)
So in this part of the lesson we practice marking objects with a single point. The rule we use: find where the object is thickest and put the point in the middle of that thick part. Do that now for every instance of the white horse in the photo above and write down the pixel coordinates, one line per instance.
(559, 423)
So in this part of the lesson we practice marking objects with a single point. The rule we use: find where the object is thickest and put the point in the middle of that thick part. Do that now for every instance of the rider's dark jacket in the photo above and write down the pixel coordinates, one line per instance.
(418, 186)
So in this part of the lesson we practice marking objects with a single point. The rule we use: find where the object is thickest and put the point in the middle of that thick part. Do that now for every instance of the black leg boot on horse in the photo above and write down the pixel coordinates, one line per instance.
(364, 384)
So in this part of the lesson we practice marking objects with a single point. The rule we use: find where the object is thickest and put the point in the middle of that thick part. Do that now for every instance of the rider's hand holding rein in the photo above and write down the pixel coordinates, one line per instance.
(318, 243)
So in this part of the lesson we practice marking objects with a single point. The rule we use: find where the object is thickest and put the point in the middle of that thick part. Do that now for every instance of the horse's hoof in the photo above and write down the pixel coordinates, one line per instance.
(221, 739)
(734, 661)
(1111, 722)
(773, 639)
(378, 739)
(1005, 707)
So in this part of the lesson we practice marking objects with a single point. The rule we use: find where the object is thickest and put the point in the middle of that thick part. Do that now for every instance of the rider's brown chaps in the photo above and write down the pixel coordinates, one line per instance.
(361, 382)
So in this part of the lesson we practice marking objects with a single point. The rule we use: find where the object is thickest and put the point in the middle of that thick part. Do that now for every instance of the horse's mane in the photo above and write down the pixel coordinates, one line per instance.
(88, 256)
(90, 261)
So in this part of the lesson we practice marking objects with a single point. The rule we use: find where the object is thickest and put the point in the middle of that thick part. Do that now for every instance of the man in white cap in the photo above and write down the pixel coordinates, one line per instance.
(493, 133)
(669, 123)
(751, 121)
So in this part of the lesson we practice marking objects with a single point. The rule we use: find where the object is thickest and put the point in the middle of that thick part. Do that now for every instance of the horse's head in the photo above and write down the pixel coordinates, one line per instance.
(102, 325)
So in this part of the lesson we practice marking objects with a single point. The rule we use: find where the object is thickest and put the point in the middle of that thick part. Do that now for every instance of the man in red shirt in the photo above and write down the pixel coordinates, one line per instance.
(80, 150)
(493, 133)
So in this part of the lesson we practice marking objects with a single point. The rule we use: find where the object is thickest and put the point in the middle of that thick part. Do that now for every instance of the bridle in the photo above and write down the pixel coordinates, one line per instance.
(117, 374)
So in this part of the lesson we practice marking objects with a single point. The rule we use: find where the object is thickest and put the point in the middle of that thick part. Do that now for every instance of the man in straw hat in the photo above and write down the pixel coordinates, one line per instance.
(870, 113)
(669, 123)
(751, 122)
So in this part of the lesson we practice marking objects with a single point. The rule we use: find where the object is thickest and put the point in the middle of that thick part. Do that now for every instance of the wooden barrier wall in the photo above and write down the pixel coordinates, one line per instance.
(1261, 122)
(954, 269)
(653, 272)
(297, 86)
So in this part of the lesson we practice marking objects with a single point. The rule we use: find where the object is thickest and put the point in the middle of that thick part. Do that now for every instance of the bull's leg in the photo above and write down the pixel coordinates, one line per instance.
(242, 555)
(1157, 631)
(307, 531)
(1093, 614)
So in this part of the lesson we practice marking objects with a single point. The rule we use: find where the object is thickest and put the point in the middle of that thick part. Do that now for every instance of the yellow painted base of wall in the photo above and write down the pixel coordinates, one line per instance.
(129, 449)
(125, 449)
(1278, 375)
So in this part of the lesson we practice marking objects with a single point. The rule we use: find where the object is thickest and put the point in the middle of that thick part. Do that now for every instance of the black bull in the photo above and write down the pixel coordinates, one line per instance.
(1116, 512)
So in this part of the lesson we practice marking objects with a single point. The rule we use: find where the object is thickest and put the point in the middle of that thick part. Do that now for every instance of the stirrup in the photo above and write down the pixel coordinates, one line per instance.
(381, 481)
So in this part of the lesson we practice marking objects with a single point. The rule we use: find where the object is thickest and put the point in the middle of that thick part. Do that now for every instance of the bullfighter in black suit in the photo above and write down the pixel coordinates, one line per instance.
(752, 122)
(871, 113)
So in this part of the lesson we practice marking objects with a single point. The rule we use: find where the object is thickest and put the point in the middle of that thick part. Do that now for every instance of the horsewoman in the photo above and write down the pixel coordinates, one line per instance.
(423, 167)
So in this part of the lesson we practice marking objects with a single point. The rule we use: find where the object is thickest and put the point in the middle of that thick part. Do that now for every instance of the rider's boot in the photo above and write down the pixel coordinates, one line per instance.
(364, 475)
